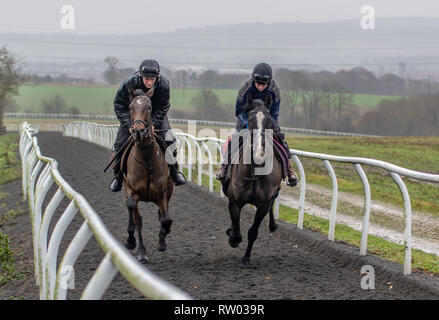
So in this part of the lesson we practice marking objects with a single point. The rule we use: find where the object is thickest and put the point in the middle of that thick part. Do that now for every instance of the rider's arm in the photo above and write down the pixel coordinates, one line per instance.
(241, 114)
(241, 100)
(164, 104)
(275, 106)
(121, 103)
(274, 109)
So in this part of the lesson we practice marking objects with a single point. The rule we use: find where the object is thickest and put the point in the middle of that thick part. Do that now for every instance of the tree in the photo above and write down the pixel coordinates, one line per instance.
(114, 75)
(9, 105)
(208, 79)
(111, 75)
(208, 107)
(181, 77)
(291, 83)
(10, 78)
(54, 105)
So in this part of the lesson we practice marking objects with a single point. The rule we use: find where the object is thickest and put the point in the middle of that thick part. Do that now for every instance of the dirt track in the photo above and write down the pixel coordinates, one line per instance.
(289, 264)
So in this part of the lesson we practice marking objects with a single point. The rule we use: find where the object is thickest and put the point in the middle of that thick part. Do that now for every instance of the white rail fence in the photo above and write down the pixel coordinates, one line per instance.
(201, 152)
(176, 121)
(39, 174)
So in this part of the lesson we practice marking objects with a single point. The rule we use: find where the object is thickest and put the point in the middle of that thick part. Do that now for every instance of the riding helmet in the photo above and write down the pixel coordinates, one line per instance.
(262, 73)
(149, 68)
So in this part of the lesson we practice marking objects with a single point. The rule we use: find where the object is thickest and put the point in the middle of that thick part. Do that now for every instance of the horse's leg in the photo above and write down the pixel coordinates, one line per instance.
(165, 224)
(131, 205)
(141, 251)
(272, 225)
(234, 232)
(253, 231)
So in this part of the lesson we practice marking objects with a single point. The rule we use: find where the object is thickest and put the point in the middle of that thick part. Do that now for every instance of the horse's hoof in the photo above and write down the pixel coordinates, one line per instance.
(130, 245)
(234, 241)
(245, 260)
(273, 227)
(142, 258)
(233, 244)
(162, 246)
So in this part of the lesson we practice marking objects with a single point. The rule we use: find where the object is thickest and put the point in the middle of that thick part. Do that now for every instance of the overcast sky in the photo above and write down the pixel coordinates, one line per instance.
(136, 16)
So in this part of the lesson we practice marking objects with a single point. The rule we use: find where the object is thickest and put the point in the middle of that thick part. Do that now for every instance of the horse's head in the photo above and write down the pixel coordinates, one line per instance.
(140, 113)
(259, 120)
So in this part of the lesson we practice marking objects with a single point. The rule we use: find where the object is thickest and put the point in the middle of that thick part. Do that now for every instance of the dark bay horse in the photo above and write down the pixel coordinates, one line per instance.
(246, 185)
(146, 174)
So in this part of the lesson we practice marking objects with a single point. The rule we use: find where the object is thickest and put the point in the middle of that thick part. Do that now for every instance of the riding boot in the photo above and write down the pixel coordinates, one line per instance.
(292, 177)
(222, 173)
(116, 182)
(177, 176)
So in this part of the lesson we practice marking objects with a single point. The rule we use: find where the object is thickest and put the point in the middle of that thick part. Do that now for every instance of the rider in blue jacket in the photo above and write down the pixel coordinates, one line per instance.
(259, 86)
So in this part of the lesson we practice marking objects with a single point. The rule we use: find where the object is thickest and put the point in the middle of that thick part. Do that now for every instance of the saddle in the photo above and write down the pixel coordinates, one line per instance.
(129, 146)
(279, 152)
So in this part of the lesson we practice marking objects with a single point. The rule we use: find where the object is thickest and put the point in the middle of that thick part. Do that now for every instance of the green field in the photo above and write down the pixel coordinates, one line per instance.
(99, 99)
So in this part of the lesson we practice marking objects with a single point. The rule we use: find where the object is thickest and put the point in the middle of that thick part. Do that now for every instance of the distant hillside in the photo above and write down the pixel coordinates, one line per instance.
(313, 46)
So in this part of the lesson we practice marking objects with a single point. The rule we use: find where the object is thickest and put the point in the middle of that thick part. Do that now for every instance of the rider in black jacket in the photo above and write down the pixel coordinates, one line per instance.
(147, 77)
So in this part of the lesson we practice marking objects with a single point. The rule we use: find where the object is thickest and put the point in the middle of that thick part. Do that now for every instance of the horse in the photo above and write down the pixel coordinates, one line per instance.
(146, 174)
(245, 187)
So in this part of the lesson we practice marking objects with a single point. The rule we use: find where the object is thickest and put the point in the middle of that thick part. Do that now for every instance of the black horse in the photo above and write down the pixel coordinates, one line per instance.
(247, 185)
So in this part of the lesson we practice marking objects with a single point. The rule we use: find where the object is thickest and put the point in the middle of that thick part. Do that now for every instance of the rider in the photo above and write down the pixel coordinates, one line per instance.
(259, 86)
(147, 77)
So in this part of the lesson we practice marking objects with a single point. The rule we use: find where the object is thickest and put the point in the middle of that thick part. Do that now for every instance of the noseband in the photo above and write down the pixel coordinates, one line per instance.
(146, 124)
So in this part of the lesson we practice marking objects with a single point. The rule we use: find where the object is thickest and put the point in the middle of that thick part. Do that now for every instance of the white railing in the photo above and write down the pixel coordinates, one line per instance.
(176, 121)
(97, 133)
(39, 173)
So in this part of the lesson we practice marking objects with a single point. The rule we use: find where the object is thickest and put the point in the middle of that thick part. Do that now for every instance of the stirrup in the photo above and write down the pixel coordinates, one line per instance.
(179, 179)
(293, 180)
(115, 184)
(222, 173)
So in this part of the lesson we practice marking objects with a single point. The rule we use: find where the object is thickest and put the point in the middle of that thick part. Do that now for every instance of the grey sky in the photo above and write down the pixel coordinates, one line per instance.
(135, 16)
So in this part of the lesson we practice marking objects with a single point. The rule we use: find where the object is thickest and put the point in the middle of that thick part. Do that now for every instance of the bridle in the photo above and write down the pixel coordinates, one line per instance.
(253, 165)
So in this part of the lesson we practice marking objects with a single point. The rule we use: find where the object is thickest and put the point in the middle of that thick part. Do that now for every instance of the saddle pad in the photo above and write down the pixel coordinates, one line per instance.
(279, 152)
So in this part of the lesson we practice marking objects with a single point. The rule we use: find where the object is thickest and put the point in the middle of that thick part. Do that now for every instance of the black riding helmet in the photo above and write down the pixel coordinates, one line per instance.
(149, 68)
(262, 73)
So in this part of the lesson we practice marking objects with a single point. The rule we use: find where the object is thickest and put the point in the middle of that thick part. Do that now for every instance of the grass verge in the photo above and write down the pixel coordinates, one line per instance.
(10, 170)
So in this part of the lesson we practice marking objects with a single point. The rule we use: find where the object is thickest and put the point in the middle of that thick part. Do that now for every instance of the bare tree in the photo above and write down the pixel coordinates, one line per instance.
(291, 83)
(312, 97)
(208, 106)
(182, 77)
(111, 74)
(10, 78)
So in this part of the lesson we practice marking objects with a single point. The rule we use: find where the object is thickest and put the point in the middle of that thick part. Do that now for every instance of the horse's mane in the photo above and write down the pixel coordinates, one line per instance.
(257, 103)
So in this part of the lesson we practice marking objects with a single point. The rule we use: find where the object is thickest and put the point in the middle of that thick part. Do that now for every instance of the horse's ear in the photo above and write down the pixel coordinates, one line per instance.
(150, 92)
(268, 101)
(136, 92)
